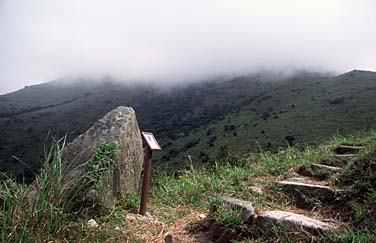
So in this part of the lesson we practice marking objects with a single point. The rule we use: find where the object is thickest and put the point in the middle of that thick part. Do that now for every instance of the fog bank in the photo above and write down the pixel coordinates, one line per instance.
(175, 41)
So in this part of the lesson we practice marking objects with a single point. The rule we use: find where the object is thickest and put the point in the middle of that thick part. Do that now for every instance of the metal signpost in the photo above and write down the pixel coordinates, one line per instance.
(152, 144)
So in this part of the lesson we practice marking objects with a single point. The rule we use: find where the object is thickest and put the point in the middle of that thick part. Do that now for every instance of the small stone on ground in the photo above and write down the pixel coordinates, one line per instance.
(92, 223)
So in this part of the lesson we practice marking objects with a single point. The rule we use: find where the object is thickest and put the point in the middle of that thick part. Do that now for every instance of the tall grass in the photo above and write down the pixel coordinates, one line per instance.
(14, 218)
(36, 213)
(50, 209)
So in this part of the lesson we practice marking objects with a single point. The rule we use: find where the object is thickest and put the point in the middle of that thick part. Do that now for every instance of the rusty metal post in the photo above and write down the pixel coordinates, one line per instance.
(145, 185)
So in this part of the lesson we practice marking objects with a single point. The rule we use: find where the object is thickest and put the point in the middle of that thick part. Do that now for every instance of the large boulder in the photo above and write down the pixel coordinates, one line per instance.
(119, 126)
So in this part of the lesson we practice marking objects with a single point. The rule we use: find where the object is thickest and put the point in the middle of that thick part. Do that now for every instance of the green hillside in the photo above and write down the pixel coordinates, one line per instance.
(191, 206)
(204, 120)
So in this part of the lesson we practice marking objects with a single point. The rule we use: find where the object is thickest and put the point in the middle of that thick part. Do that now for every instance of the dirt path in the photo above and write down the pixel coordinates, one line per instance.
(152, 229)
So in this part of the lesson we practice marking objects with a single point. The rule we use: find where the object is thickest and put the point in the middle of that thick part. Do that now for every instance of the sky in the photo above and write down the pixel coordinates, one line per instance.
(178, 40)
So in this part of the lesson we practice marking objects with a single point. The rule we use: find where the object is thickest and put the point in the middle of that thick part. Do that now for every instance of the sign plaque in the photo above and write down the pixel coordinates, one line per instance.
(152, 144)
(151, 141)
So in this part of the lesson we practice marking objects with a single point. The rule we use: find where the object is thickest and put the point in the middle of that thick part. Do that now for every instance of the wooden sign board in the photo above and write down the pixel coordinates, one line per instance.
(151, 141)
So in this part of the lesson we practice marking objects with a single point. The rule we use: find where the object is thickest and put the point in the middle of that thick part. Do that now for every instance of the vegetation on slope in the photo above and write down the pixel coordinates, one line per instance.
(201, 187)
(242, 113)
(198, 188)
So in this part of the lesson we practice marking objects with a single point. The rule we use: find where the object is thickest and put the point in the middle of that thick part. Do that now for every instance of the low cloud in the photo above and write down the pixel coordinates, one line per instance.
(175, 41)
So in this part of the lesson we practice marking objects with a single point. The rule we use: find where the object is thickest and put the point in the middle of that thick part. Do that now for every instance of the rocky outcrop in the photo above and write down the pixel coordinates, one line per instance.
(121, 127)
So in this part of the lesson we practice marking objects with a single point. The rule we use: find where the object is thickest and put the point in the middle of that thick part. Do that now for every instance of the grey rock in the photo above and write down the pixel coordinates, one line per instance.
(266, 220)
(92, 223)
(119, 125)
(323, 193)
(246, 210)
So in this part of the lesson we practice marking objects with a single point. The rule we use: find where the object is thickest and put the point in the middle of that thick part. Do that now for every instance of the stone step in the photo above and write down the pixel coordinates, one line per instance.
(326, 168)
(344, 157)
(347, 149)
(308, 180)
(247, 211)
(301, 190)
(292, 221)
(318, 171)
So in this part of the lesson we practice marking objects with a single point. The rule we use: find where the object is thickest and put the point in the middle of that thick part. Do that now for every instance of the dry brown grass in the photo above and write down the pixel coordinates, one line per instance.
(154, 229)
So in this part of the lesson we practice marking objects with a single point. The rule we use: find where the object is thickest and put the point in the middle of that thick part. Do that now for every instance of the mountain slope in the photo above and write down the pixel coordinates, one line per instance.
(204, 120)
(300, 110)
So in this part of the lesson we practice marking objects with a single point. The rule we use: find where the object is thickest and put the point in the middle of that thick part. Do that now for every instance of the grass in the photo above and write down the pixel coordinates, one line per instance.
(224, 213)
(44, 213)
(200, 187)
(31, 213)
(196, 186)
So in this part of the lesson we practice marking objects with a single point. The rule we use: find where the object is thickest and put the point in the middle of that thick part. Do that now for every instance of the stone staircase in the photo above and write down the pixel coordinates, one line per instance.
(305, 186)
(344, 153)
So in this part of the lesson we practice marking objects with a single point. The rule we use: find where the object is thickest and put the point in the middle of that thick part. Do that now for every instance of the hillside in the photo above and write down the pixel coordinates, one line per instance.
(205, 120)
(323, 194)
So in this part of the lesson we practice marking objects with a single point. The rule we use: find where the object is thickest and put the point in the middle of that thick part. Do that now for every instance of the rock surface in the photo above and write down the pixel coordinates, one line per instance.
(268, 219)
(246, 210)
(120, 126)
